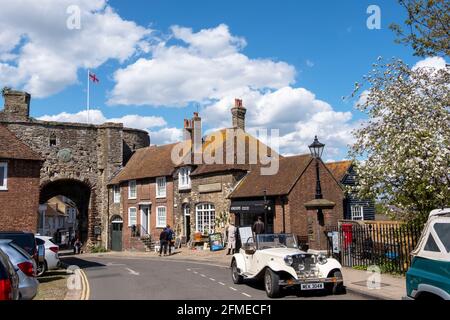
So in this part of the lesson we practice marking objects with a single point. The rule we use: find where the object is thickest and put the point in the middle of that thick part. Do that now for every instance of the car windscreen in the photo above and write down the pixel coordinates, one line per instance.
(22, 251)
(266, 241)
(24, 240)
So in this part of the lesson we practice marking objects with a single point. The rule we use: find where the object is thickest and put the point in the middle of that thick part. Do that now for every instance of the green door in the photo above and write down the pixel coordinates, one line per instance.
(116, 236)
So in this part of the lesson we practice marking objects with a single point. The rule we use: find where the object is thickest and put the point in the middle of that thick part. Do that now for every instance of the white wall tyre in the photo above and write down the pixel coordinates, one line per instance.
(237, 278)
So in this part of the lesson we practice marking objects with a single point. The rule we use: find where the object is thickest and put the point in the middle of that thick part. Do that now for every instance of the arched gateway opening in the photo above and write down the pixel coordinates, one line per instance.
(77, 191)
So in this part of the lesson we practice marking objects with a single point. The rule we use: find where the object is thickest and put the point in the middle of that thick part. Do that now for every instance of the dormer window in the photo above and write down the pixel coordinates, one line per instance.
(184, 178)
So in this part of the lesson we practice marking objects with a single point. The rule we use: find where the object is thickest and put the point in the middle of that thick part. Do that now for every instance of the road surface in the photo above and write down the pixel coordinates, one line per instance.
(161, 279)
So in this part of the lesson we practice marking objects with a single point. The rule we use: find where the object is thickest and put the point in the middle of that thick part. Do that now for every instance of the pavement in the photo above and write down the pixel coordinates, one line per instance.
(360, 284)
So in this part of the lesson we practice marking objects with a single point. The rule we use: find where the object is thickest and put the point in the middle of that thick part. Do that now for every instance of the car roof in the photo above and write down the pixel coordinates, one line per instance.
(439, 212)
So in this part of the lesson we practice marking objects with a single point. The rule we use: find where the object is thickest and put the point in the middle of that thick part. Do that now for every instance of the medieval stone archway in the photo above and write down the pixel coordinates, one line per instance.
(80, 193)
(79, 159)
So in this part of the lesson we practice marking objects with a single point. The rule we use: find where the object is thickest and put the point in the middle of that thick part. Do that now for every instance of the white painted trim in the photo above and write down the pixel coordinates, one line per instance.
(158, 225)
(129, 216)
(129, 189)
(164, 193)
(4, 165)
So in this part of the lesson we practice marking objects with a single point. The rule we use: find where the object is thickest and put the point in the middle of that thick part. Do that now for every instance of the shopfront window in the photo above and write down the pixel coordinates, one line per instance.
(205, 218)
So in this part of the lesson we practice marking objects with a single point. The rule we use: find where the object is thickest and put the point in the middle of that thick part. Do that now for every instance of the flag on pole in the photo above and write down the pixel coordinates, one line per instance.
(91, 77)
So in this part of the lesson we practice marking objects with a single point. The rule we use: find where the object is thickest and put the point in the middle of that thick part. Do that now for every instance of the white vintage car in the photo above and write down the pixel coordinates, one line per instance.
(277, 259)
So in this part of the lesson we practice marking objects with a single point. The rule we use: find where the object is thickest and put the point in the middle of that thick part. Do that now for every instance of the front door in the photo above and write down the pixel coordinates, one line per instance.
(116, 236)
(145, 215)
(187, 222)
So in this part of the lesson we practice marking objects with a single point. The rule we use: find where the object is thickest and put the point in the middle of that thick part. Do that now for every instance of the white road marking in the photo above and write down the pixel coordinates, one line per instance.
(203, 275)
(195, 272)
(188, 269)
(212, 279)
(247, 295)
(221, 283)
(234, 289)
(134, 273)
(113, 264)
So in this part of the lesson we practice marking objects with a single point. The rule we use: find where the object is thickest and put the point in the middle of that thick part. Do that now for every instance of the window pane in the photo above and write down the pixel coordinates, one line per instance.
(431, 244)
(2, 175)
(443, 231)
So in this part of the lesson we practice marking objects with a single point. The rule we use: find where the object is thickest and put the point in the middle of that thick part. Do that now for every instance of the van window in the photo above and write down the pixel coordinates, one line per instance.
(443, 231)
(431, 244)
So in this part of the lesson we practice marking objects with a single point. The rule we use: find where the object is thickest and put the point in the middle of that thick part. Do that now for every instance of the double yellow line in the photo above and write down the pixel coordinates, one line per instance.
(85, 291)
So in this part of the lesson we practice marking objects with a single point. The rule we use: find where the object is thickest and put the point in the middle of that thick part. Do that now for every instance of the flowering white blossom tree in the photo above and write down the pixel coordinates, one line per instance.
(405, 144)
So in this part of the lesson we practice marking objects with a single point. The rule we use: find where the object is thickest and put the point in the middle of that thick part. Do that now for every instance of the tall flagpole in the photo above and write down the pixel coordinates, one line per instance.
(88, 73)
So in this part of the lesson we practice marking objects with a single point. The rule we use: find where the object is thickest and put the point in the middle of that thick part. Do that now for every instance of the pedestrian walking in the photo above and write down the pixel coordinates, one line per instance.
(258, 226)
(170, 238)
(231, 238)
(77, 246)
(163, 242)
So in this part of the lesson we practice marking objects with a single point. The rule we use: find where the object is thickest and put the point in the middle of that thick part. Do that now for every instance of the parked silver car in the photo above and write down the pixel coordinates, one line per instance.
(25, 267)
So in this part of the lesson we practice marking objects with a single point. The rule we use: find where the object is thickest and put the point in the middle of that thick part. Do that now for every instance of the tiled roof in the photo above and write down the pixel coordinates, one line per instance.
(213, 142)
(153, 161)
(339, 169)
(290, 170)
(13, 148)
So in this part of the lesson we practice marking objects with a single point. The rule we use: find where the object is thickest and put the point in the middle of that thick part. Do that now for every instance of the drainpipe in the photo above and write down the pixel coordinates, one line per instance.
(283, 202)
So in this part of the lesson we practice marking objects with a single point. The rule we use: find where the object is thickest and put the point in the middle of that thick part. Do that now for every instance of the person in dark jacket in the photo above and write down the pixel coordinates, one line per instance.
(163, 242)
(170, 238)
(258, 226)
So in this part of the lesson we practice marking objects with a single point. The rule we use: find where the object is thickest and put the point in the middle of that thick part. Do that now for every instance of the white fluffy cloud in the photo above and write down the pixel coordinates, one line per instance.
(202, 66)
(431, 62)
(39, 53)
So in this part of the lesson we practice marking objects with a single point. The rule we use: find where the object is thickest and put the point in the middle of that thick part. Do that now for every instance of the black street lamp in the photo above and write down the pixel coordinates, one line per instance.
(316, 149)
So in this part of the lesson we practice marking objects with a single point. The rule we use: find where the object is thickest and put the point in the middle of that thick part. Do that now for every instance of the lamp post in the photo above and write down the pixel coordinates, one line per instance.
(265, 209)
(316, 149)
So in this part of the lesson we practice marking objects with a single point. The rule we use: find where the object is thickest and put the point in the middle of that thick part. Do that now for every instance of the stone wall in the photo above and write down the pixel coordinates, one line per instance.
(194, 196)
(89, 154)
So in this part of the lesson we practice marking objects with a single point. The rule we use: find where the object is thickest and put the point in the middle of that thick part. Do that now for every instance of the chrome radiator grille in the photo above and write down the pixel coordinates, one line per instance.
(309, 263)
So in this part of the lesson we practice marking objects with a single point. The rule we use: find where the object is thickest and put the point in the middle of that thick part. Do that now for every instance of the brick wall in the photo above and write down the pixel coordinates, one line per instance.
(19, 204)
(304, 191)
(146, 192)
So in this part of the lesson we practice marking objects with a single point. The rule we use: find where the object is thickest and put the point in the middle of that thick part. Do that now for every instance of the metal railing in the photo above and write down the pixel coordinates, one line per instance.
(386, 245)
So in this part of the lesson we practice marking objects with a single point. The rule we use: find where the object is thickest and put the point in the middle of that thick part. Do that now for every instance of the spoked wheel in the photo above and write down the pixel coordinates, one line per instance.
(237, 278)
(41, 268)
(271, 283)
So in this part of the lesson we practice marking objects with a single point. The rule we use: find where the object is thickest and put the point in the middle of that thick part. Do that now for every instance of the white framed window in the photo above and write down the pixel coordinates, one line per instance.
(161, 217)
(132, 216)
(132, 189)
(3, 176)
(116, 194)
(357, 212)
(184, 178)
(161, 187)
(205, 220)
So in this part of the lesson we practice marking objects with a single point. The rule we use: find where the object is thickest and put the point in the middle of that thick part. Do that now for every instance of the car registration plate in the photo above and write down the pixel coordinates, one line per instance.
(311, 286)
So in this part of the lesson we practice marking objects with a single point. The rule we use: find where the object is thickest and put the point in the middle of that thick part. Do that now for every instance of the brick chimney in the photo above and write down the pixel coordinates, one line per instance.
(17, 105)
(197, 137)
(238, 113)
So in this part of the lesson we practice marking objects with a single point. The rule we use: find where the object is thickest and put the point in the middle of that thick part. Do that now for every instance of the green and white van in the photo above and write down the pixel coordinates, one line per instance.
(429, 274)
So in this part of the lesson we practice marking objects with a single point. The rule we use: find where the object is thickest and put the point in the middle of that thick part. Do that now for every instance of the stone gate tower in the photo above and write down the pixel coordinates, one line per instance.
(79, 158)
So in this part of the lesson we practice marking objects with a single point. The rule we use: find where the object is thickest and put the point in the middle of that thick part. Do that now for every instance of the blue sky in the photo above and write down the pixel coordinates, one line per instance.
(318, 49)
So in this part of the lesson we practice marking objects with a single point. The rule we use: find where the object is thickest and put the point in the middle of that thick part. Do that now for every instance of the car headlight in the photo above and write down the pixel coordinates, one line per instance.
(288, 260)
(322, 259)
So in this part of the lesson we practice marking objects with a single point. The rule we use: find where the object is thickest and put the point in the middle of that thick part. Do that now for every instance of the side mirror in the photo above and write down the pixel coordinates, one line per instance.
(41, 253)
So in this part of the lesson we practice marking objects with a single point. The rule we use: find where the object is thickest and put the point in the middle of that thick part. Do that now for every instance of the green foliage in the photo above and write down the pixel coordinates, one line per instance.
(98, 249)
(427, 28)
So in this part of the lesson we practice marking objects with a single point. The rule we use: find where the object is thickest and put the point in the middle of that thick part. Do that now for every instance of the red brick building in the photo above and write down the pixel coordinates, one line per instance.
(19, 184)
(286, 194)
(143, 195)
